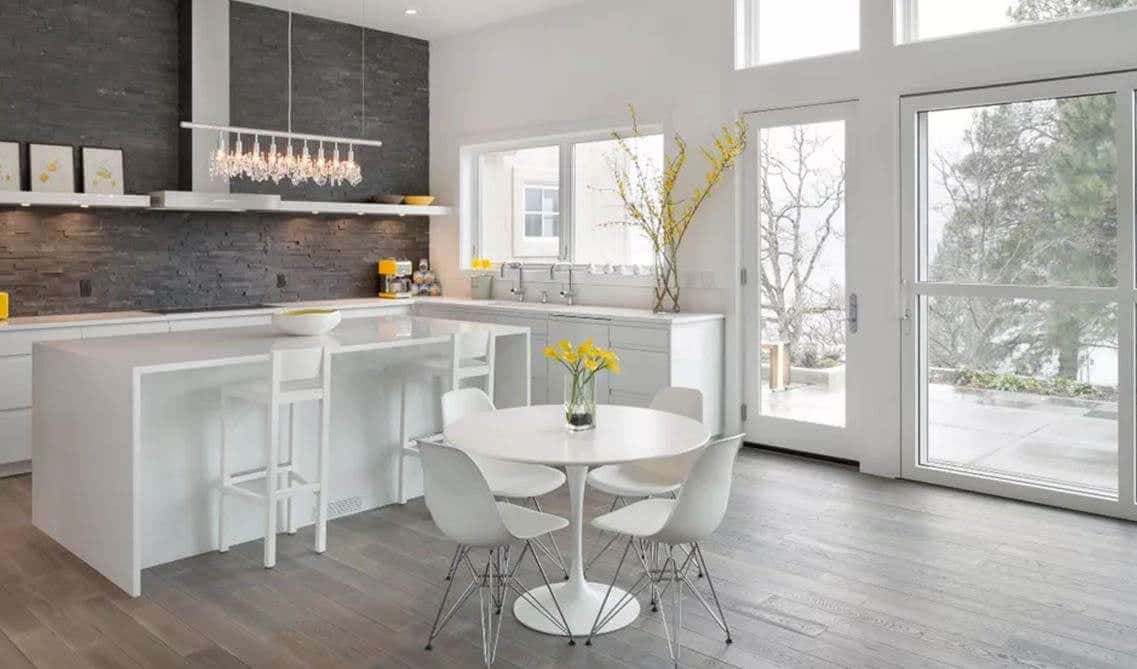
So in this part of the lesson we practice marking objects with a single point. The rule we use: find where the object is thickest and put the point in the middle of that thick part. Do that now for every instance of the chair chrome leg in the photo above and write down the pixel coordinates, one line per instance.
(453, 564)
(488, 608)
(603, 549)
(608, 593)
(703, 570)
(560, 558)
(671, 572)
(436, 627)
(552, 595)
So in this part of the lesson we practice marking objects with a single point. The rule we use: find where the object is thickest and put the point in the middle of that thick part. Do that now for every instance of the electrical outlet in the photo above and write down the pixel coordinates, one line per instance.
(84, 287)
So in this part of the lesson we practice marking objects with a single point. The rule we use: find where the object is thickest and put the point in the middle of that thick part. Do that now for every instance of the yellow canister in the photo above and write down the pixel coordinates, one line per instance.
(3, 306)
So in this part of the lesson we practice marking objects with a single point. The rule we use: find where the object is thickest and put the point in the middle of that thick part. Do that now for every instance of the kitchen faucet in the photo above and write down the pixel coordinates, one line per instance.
(570, 293)
(519, 289)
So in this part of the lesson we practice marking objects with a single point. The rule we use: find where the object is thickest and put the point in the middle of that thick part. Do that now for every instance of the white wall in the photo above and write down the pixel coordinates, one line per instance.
(576, 68)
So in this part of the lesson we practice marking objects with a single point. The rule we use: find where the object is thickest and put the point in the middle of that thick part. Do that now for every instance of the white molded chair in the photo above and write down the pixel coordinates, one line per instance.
(661, 476)
(662, 528)
(298, 375)
(464, 509)
(472, 358)
(650, 478)
(509, 480)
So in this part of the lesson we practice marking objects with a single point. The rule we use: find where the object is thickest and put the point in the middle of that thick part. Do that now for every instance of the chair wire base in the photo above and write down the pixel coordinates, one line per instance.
(493, 582)
(663, 568)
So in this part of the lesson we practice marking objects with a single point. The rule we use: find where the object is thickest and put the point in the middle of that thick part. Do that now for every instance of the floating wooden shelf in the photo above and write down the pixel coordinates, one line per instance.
(79, 200)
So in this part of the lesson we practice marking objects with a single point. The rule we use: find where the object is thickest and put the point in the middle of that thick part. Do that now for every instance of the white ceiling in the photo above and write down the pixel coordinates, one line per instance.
(435, 18)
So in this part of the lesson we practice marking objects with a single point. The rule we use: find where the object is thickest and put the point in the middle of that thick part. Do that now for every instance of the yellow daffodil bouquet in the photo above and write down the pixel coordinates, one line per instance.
(583, 363)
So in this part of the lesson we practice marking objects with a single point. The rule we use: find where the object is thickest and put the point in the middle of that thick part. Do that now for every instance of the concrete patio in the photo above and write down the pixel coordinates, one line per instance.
(1046, 440)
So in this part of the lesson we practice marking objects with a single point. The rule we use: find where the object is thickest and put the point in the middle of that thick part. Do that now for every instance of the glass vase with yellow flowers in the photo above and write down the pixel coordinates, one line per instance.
(582, 363)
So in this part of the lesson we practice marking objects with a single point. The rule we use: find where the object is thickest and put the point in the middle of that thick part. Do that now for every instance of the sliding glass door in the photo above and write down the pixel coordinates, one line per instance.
(1019, 292)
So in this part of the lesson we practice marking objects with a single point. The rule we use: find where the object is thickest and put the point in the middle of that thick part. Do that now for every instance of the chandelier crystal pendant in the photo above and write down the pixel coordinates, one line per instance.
(232, 161)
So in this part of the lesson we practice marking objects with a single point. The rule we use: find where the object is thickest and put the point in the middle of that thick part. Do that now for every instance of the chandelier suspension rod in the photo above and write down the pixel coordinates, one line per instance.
(189, 125)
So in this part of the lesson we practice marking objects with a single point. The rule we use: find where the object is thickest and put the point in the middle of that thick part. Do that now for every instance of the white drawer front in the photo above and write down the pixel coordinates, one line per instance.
(218, 323)
(649, 338)
(538, 327)
(15, 436)
(94, 331)
(20, 342)
(644, 372)
(15, 382)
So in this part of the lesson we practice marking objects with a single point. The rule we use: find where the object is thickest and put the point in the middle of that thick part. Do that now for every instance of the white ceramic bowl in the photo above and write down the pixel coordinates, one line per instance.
(306, 322)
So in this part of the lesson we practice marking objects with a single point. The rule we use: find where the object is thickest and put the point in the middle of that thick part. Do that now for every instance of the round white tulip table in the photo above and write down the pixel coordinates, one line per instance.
(537, 435)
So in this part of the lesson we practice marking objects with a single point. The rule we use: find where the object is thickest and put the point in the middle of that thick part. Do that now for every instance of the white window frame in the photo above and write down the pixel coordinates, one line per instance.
(746, 32)
(916, 288)
(540, 246)
(907, 12)
(470, 223)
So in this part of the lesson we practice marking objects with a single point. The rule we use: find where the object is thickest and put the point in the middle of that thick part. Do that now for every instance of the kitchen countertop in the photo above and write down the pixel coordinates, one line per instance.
(203, 348)
(126, 317)
(552, 309)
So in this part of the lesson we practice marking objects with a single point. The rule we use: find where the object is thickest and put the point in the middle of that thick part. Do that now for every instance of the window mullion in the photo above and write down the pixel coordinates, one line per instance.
(567, 189)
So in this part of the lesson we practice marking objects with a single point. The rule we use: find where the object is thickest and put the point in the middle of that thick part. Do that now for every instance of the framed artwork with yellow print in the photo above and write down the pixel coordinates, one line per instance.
(52, 168)
(102, 171)
(9, 166)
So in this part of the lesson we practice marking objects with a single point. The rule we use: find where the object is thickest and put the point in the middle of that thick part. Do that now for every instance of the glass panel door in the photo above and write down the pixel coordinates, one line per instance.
(798, 297)
(1018, 274)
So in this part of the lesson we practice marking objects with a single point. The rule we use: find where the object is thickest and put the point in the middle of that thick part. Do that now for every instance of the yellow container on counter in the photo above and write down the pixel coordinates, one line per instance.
(3, 306)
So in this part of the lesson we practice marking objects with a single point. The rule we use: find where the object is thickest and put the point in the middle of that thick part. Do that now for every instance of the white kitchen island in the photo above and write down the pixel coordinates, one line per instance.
(126, 430)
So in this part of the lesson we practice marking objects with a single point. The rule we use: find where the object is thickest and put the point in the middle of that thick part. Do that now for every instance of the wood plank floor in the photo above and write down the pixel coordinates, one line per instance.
(818, 566)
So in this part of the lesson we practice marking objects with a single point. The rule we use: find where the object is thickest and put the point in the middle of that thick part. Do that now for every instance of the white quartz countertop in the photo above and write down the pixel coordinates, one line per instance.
(554, 309)
(203, 348)
(520, 308)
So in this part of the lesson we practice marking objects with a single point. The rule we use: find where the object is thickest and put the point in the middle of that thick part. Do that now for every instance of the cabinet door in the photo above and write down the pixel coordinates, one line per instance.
(576, 330)
(644, 372)
(15, 436)
(15, 382)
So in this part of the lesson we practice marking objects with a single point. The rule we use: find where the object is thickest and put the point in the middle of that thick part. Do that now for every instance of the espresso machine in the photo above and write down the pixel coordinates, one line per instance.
(395, 278)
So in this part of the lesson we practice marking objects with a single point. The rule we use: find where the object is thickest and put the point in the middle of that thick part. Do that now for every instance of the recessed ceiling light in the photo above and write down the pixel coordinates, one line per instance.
(411, 12)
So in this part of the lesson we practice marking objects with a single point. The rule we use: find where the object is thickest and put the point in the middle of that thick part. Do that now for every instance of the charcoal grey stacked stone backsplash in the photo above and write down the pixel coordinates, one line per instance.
(106, 74)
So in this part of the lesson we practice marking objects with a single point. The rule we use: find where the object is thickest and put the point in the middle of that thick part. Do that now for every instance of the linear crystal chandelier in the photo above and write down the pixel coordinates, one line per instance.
(297, 163)
(234, 159)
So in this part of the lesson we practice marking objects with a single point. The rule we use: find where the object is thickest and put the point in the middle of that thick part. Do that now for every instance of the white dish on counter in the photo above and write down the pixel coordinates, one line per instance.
(306, 322)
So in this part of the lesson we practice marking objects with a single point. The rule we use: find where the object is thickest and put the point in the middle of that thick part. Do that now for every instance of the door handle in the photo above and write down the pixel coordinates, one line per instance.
(853, 314)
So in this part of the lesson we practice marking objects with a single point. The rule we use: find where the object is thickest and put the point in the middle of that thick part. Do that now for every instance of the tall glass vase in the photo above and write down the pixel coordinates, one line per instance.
(666, 281)
(580, 402)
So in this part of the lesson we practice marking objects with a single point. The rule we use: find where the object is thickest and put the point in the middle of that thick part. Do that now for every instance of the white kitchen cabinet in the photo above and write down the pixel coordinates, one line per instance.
(15, 440)
(15, 382)
(655, 351)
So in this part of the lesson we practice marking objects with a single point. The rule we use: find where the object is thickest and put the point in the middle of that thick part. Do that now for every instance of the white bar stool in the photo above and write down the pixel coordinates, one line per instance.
(472, 357)
(299, 375)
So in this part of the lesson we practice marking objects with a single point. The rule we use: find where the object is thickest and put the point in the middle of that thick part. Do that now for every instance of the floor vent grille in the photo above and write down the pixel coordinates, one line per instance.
(345, 507)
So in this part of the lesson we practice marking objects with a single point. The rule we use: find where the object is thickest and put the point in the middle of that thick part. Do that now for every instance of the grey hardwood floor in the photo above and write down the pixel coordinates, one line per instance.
(818, 566)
